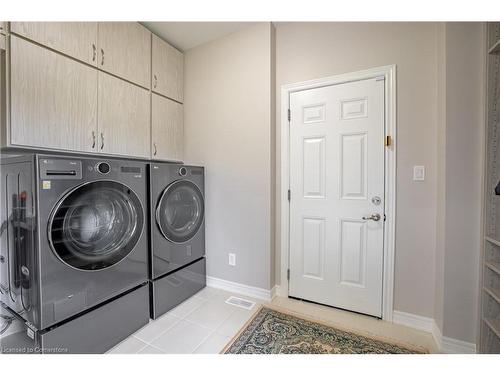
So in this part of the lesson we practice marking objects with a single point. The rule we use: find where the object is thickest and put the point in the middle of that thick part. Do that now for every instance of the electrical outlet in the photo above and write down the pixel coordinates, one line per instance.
(232, 259)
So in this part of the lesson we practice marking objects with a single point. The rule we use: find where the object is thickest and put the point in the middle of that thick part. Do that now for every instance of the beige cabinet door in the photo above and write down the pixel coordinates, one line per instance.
(168, 70)
(76, 39)
(123, 117)
(53, 99)
(167, 129)
(125, 51)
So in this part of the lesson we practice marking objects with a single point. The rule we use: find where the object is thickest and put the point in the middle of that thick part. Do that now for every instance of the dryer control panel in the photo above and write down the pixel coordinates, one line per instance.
(60, 169)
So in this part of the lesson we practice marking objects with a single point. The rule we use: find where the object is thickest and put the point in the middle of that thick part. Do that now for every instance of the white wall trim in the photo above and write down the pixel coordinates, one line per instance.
(389, 72)
(422, 323)
(454, 346)
(245, 290)
(444, 344)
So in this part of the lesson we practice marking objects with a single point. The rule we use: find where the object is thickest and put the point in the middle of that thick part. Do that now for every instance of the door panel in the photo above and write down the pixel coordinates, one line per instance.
(125, 51)
(168, 70)
(352, 252)
(123, 117)
(314, 247)
(167, 129)
(353, 166)
(337, 167)
(314, 167)
(53, 99)
(76, 39)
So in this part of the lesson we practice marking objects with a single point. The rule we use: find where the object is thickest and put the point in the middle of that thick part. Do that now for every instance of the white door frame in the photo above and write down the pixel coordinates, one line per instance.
(389, 73)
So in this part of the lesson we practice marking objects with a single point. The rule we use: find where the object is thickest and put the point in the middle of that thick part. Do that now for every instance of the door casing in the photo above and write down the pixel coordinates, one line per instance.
(389, 74)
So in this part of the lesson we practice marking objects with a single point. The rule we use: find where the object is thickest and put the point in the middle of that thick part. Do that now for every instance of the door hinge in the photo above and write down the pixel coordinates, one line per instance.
(289, 195)
(388, 141)
(288, 274)
(289, 115)
(385, 218)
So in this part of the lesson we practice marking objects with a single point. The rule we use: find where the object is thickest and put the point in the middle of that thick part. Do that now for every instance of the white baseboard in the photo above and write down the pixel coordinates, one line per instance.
(414, 321)
(444, 344)
(437, 335)
(453, 346)
(448, 345)
(245, 290)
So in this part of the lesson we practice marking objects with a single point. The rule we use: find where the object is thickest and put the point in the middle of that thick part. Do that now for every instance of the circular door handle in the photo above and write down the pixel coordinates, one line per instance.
(374, 217)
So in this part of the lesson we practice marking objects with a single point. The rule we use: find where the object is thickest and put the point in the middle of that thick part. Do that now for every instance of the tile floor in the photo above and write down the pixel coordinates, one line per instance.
(205, 324)
(202, 324)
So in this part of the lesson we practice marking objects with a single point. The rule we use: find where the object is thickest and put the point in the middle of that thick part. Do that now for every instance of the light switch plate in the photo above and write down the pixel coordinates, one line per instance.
(418, 173)
(232, 259)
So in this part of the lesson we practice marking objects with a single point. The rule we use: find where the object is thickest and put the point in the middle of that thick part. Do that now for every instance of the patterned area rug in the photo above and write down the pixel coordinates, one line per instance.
(274, 332)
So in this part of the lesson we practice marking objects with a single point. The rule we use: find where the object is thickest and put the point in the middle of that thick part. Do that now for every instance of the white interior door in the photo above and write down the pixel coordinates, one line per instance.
(337, 195)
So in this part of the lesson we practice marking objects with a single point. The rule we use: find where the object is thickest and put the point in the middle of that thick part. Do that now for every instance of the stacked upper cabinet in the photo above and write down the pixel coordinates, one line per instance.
(59, 100)
(125, 51)
(168, 70)
(124, 121)
(53, 99)
(167, 121)
(75, 39)
(124, 109)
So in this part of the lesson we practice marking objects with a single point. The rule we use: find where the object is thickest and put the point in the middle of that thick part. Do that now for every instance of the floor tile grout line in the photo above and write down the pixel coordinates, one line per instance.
(211, 331)
(218, 326)
(161, 334)
(157, 348)
(202, 341)
(142, 347)
(189, 312)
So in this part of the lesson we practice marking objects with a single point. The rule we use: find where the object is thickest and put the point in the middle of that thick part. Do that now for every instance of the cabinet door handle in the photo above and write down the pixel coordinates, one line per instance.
(94, 52)
(154, 145)
(93, 139)
(155, 81)
(102, 141)
(102, 57)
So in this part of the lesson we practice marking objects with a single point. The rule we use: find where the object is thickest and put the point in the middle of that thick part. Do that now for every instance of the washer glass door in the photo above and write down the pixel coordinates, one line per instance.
(96, 225)
(180, 211)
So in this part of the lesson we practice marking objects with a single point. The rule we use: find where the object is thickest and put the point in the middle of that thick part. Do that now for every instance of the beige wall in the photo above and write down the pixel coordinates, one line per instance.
(313, 50)
(231, 129)
(463, 95)
(228, 129)
(441, 174)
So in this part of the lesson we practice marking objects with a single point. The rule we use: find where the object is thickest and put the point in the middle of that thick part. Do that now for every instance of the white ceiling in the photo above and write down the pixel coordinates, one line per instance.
(186, 35)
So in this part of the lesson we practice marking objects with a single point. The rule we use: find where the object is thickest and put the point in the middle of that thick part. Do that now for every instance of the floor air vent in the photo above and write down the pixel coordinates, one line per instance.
(240, 302)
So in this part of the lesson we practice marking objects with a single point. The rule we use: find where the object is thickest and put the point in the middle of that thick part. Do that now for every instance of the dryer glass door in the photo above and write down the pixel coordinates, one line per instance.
(180, 211)
(96, 225)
